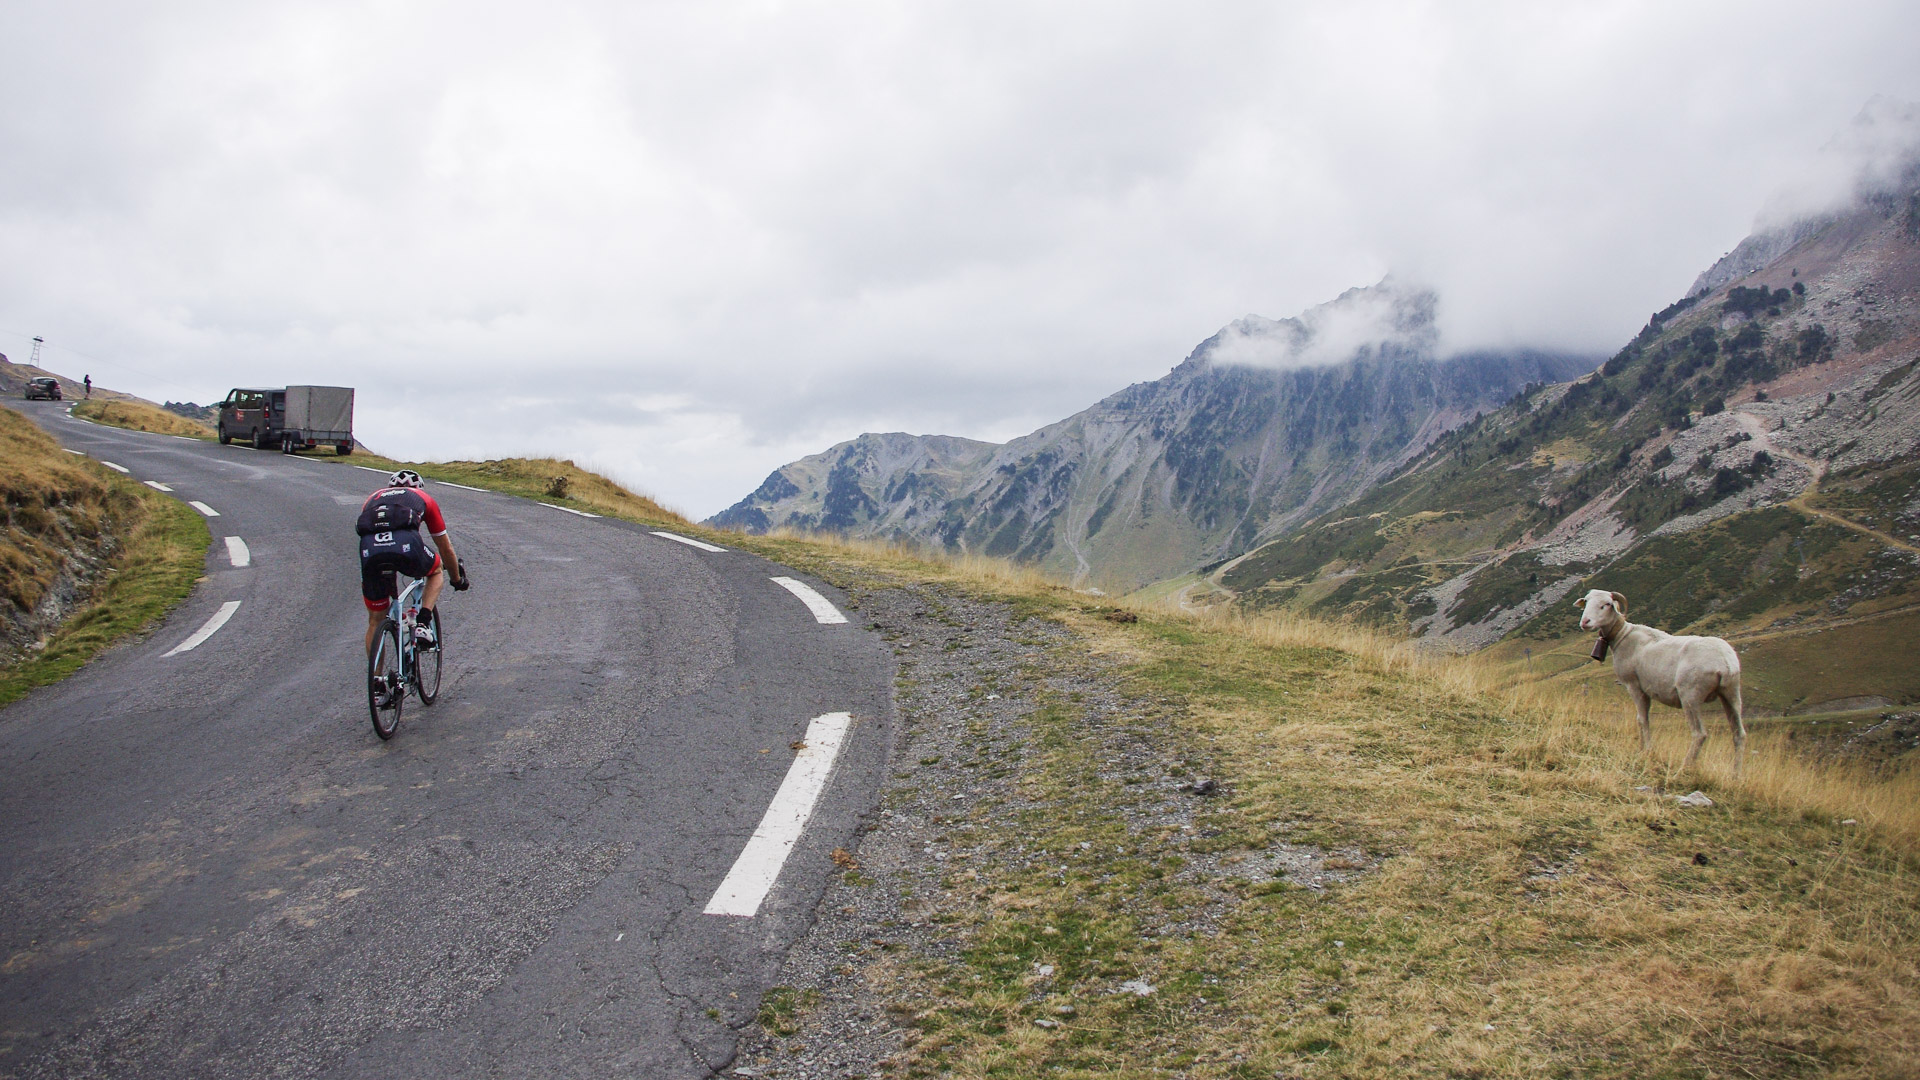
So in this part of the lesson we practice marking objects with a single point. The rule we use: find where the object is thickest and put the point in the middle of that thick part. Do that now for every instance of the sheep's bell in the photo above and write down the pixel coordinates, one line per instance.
(1600, 648)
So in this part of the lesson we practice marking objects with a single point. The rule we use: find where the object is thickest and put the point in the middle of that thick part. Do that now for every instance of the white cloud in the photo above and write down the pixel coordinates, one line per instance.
(1874, 155)
(1389, 315)
(729, 233)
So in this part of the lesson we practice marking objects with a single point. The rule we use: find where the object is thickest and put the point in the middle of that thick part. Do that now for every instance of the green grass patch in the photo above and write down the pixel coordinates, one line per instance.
(1792, 672)
(782, 1007)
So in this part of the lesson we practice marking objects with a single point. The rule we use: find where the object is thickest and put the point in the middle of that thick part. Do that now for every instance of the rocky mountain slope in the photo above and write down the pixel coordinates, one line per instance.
(1264, 425)
(1749, 466)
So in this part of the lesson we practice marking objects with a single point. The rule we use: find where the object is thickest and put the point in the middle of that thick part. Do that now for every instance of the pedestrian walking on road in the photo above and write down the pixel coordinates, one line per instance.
(88, 382)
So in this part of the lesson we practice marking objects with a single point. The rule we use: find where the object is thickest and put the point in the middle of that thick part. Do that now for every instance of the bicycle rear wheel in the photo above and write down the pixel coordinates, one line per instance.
(386, 693)
(426, 662)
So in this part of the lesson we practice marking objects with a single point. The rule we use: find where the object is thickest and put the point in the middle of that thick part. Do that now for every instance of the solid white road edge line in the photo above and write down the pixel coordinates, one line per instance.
(116, 468)
(464, 487)
(568, 509)
(237, 552)
(211, 628)
(203, 508)
(156, 485)
(822, 608)
(688, 540)
(754, 873)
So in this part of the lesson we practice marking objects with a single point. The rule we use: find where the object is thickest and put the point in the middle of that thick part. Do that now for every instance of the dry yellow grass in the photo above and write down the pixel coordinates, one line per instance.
(1602, 728)
(912, 561)
(53, 503)
(140, 416)
(547, 479)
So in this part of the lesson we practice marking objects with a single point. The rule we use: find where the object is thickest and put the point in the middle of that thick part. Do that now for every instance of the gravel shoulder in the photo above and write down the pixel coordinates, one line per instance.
(978, 802)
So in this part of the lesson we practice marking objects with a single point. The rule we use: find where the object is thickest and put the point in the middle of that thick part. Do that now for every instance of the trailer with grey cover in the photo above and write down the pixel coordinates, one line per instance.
(317, 416)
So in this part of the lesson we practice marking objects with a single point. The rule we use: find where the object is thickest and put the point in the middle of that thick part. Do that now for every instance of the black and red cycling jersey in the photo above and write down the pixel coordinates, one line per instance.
(397, 547)
(429, 510)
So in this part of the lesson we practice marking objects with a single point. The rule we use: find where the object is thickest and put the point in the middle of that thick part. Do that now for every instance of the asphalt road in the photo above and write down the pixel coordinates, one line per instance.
(211, 867)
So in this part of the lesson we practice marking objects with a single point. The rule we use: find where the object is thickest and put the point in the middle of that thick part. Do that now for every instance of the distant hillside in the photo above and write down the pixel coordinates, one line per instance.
(1749, 465)
(871, 485)
(13, 383)
(1265, 424)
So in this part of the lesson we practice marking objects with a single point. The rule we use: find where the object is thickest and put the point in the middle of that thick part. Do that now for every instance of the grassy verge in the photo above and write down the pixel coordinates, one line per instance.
(58, 505)
(1491, 896)
(140, 416)
(549, 480)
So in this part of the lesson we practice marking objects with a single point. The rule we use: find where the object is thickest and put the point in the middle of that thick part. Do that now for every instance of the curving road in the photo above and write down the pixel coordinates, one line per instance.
(211, 867)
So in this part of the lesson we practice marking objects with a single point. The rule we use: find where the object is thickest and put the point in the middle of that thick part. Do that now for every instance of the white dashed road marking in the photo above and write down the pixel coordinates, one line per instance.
(822, 608)
(369, 468)
(462, 487)
(237, 552)
(82, 453)
(688, 540)
(116, 468)
(157, 485)
(203, 508)
(568, 509)
(211, 628)
(754, 873)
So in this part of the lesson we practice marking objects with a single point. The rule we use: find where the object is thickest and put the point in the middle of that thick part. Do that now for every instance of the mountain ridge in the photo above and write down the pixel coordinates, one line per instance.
(1255, 430)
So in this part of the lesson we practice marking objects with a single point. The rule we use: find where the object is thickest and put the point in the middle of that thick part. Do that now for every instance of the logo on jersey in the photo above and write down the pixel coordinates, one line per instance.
(383, 538)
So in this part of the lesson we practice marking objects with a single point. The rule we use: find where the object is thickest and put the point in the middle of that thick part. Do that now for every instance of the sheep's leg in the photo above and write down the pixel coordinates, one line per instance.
(1699, 732)
(1730, 701)
(1641, 704)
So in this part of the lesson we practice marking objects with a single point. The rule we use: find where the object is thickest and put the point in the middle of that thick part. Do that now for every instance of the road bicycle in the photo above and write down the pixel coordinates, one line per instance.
(399, 664)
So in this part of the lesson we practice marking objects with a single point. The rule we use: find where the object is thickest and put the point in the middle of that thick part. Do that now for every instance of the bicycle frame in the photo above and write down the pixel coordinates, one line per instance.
(388, 692)
(404, 604)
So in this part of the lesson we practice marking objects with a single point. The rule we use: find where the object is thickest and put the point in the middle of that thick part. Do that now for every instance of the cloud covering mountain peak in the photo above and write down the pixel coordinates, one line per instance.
(1390, 316)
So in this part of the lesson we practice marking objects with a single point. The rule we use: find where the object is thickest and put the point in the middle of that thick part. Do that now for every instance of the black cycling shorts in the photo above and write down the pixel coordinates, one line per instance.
(402, 551)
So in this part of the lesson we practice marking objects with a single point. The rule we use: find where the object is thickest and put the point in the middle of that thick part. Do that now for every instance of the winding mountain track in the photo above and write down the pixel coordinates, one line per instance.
(210, 867)
(1802, 502)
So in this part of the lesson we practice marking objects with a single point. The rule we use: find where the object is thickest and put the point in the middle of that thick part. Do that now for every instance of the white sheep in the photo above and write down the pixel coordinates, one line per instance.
(1678, 672)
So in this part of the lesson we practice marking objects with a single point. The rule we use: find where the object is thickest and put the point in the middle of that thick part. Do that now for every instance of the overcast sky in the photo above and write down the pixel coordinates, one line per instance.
(686, 243)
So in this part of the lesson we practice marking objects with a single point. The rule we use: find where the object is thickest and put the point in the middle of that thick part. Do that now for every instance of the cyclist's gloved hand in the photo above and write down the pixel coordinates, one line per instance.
(461, 584)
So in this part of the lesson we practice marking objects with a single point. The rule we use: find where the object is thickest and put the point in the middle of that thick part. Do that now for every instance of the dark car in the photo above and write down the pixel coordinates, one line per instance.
(42, 387)
(255, 414)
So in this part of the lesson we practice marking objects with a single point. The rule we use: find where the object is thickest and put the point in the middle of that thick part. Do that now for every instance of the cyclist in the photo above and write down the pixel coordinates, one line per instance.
(390, 541)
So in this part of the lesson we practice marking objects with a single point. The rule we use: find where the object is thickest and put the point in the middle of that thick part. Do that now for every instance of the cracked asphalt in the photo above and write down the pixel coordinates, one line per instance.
(211, 867)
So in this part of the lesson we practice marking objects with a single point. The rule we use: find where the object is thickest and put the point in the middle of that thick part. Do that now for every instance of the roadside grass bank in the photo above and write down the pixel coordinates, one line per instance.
(88, 557)
(140, 416)
(548, 480)
(1214, 845)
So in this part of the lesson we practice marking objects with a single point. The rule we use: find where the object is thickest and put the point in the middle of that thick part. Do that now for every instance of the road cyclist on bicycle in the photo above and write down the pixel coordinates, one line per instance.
(390, 542)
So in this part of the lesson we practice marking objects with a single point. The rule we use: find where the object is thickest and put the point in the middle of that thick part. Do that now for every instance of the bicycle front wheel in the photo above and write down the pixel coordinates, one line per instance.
(426, 662)
(385, 690)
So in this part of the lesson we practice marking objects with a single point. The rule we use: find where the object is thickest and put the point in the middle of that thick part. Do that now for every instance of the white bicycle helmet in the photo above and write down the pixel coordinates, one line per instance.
(405, 478)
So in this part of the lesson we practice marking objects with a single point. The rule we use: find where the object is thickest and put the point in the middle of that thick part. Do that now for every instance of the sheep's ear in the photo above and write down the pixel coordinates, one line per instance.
(1619, 602)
